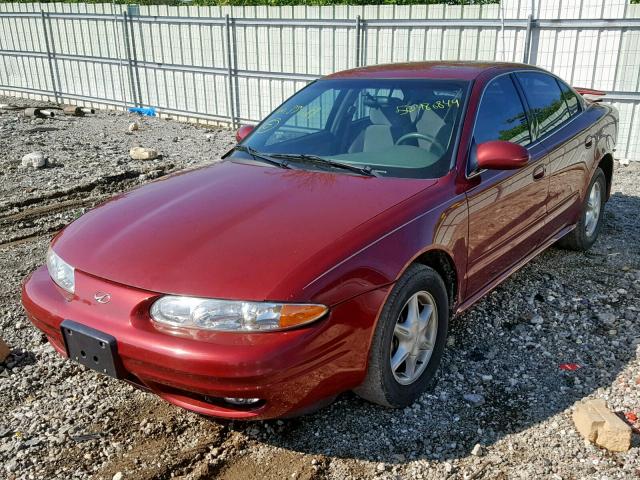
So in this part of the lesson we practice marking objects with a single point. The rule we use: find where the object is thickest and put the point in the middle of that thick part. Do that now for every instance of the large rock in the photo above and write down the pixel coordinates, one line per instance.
(595, 422)
(141, 153)
(35, 160)
(4, 351)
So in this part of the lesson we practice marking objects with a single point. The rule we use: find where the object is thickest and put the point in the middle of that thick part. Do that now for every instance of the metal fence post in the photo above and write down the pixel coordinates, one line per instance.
(527, 38)
(358, 40)
(134, 54)
(230, 89)
(127, 47)
(50, 54)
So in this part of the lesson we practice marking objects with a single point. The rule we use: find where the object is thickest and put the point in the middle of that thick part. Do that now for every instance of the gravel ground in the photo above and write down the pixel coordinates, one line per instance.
(501, 408)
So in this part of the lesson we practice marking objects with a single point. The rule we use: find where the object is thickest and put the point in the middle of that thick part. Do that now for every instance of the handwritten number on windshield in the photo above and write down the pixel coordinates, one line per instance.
(437, 105)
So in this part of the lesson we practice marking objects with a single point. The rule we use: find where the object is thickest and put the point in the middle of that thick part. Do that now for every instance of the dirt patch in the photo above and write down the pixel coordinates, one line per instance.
(274, 465)
(148, 424)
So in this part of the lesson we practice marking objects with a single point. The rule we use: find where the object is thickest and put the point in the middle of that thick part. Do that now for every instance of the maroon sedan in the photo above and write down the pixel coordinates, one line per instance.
(332, 246)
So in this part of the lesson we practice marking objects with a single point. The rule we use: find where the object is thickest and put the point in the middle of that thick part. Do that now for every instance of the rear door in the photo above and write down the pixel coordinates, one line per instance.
(507, 207)
(565, 133)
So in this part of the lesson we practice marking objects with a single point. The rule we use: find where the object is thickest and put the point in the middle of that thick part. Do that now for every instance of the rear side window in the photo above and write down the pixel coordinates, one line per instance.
(501, 115)
(545, 99)
(573, 103)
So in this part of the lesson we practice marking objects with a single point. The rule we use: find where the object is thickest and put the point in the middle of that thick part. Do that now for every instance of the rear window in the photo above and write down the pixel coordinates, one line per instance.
(545, 100)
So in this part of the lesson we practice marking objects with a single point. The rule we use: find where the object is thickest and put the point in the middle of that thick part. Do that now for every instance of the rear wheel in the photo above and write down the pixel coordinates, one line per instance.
(409, 340)
(590, 223)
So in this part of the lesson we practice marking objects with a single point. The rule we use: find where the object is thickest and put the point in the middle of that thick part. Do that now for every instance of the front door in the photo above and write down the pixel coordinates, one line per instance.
(507, 208)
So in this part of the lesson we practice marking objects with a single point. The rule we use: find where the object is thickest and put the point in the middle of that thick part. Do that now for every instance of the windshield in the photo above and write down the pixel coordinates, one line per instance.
(397, 127)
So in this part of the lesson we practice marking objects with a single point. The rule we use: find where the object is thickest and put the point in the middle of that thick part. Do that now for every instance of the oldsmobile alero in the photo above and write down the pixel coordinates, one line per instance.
(331, 247)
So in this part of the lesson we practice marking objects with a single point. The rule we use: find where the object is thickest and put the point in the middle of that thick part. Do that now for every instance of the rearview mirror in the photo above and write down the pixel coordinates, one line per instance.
(243, 131)
(501, 155)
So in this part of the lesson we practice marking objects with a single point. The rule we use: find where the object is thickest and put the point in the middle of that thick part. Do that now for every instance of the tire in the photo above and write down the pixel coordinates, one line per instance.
(398, 388)
(588, 229)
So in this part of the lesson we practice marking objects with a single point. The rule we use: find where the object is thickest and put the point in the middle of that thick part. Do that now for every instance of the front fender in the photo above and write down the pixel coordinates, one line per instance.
(431, 220)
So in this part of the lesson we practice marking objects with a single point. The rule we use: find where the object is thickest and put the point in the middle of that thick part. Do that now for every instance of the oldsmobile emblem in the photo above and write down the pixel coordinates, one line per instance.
(102, 297)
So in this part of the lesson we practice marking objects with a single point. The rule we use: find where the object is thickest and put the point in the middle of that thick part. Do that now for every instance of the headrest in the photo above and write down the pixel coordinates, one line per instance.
(377, 117)
(383, 110)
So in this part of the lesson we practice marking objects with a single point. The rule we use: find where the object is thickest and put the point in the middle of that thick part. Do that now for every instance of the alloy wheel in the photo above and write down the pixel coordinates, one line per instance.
(414, 338)
(592, 212)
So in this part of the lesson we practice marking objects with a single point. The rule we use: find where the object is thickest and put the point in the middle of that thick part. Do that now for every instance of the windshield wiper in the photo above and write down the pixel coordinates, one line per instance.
(366, 170)
(256, 155)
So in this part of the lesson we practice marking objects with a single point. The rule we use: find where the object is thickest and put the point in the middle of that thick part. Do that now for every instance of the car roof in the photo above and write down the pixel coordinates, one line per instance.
(436, 69)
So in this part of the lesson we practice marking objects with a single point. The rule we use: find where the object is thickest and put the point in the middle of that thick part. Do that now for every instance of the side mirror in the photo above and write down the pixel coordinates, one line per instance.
(501, 155)
(243, 131)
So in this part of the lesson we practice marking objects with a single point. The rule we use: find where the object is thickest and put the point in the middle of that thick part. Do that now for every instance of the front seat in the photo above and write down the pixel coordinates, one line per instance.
(375, 137)
(427, 122)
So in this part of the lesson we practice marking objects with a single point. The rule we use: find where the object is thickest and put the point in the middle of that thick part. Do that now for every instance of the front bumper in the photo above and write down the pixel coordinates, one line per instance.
(291, 372)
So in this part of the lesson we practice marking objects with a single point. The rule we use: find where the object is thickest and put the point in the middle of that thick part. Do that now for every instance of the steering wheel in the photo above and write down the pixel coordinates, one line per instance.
(433, 143)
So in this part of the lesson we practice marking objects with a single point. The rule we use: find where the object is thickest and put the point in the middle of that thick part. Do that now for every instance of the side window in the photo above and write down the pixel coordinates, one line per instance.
(573, 103)
(501, 115)
(545, 99)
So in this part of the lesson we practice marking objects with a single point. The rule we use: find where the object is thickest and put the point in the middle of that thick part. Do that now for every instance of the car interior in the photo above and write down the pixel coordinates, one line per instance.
(405, 131)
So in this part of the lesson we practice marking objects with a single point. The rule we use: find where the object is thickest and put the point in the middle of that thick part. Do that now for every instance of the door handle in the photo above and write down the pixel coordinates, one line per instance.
(588, 141)
(539, 172)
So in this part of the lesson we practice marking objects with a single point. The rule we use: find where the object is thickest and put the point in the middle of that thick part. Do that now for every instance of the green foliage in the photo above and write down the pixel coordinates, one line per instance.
(275, 2)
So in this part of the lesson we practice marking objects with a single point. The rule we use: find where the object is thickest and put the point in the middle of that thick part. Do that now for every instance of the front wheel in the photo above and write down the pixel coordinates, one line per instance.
(590, 223)
(409, 340)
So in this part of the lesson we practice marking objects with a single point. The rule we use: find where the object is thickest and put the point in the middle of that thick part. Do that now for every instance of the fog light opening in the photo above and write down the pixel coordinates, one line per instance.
(241, 401)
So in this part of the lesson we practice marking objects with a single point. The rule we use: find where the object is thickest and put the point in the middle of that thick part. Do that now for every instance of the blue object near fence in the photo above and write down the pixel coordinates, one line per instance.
(147, 111)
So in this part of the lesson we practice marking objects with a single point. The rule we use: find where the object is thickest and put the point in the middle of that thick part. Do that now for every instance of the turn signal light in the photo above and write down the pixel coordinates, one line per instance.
(294, 315)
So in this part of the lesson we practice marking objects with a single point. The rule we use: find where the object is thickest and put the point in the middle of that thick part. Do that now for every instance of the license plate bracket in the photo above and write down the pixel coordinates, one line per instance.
(90, 347)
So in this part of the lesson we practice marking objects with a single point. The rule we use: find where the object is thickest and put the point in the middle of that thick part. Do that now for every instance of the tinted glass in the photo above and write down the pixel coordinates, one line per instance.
(545, 100)
(398, 127)
(573, 103)
(501, 115)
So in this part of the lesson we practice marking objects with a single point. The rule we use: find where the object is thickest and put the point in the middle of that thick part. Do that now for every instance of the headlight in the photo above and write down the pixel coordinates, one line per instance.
(231, 316)
(61, 272)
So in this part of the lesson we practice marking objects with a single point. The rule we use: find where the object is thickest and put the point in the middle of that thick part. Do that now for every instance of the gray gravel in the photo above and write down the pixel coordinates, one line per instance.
(501, 408)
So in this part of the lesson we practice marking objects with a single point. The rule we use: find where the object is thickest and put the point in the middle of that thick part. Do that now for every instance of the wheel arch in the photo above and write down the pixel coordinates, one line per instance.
(442, 262)
(606, 164)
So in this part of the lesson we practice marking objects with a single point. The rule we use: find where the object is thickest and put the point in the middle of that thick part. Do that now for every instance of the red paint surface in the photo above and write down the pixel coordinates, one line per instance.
(290, 370)
(253, 232)
(453, 70)
(234, 230)
(501, 155)
(590, 91)
(243, 131)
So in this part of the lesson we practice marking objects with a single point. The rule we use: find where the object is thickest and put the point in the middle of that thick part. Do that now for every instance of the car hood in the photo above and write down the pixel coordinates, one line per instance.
(230, 230)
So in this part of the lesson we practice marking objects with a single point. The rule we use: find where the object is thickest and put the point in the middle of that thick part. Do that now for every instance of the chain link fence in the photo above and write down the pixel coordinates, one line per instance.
(235, 64)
